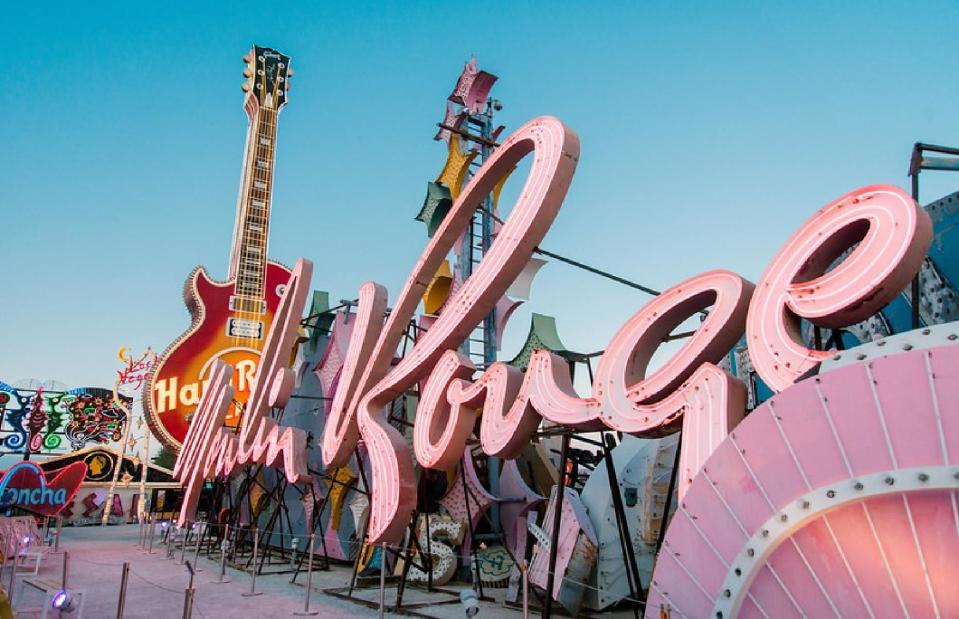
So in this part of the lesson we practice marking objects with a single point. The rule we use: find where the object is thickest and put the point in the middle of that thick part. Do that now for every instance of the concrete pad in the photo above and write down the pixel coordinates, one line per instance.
(156, 585)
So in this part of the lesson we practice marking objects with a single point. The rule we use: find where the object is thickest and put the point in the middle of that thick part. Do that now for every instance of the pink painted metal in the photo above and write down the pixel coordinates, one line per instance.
(341, 431)
(521, 287)
(504, 311)
(329, 366)
(512, 514)
(835, 498)
(473, 86)
(454, 501)
(893, 235)
(211, 450)
(576, 534)
(452, 118)
(556, 150)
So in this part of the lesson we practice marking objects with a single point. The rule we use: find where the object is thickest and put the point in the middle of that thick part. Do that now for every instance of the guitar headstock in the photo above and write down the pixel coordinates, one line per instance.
(268, 77)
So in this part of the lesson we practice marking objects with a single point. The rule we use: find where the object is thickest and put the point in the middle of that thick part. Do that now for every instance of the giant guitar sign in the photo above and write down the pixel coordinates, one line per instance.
(231, 318)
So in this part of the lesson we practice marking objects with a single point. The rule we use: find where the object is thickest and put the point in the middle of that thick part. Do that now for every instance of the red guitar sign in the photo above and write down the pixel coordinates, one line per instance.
(230, 318)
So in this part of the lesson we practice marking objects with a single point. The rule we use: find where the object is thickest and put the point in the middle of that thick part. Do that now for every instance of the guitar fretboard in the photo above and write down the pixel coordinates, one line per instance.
(250, 249)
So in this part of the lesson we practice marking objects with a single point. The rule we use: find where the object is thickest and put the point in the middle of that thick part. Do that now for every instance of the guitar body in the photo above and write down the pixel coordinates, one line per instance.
(220, 330)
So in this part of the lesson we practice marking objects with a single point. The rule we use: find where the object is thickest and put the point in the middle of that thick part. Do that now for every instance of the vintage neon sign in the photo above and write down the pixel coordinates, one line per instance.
(887, 233)
(361, 398)
(137, 371)
(25, 485)
(893, 236)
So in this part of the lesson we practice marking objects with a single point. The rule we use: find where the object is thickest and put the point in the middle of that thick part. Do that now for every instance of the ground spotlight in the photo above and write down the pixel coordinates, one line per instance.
(470, 602)
(63, 601)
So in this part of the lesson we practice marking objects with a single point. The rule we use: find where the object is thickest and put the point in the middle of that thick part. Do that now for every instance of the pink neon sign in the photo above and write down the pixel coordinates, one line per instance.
(689, 390)
(210, 450)
(895, 235)
(363, 396)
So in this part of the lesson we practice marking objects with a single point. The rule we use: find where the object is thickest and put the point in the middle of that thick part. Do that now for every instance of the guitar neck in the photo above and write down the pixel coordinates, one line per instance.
(251, 234)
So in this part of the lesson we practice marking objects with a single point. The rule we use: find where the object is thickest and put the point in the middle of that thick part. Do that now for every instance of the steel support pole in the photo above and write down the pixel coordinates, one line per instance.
(428, 563)
(152, 532)
(222, 566)
(667, 504)
(123, 589)
(916, 290)
(201, 529)
(66, 571)
(382, 579)
(256, 552)
(366, 527)
(56, 543)
(171, 532)
(223, 544)
(13, 571)
(524, 570)
(188, 603)
(309, 582)
(557, 520)
(186, 536)
(474, 566)
(622, 523)
(489, 321)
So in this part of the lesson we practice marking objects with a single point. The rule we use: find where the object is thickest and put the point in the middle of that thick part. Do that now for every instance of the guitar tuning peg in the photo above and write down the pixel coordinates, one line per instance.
(245, 87)
(289, 72)
(288, 85)
(247, 58)
(247, 73)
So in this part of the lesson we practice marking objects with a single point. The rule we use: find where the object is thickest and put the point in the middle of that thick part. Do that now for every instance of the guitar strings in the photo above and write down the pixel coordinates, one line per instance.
(251, 306)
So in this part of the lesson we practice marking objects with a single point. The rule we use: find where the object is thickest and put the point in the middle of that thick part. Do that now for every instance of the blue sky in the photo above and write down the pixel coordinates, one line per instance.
(708, 132)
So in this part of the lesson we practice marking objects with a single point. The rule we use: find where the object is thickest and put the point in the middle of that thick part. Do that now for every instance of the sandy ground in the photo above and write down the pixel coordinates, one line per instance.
(156, 585)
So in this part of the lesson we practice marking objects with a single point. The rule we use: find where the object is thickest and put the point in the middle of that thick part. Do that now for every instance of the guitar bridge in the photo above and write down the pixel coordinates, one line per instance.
(241, 327)
(242, 304)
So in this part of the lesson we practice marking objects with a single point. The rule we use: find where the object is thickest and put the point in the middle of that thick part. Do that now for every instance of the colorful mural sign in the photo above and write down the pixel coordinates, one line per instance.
(36, 421)
(93, 418)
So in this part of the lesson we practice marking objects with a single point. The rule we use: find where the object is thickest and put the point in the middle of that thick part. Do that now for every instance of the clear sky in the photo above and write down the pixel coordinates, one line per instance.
(709, 132)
